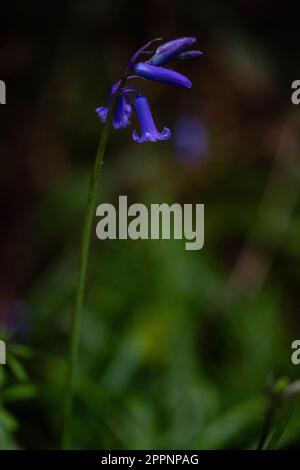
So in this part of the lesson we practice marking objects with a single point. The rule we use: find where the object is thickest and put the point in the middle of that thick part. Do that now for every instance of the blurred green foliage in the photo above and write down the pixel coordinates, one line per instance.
(166, 360)
(15, 386)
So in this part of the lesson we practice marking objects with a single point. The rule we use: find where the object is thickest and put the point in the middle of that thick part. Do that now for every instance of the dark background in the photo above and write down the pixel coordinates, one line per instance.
(177, 347)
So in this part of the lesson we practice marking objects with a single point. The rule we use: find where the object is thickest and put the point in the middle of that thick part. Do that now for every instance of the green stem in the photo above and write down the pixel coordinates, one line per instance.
(81, 280)
(267, 425)
(281, 425)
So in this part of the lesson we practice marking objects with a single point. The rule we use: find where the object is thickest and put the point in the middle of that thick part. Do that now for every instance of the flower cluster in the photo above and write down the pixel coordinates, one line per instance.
(152, 69)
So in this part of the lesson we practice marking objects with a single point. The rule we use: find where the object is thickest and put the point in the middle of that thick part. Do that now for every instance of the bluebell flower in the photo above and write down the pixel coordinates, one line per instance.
(102, 113)
(122, 114)
(141, 51)
(161, 74)
(151, 69)
(149, 132)
(121, 118)
(170, 50)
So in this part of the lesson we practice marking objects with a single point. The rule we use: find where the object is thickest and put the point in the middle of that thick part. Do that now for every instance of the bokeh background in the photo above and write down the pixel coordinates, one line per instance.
(178, 348)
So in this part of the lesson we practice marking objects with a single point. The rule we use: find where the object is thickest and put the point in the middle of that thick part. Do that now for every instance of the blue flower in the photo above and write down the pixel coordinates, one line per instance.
(102, 113)
(161, 74)
(170, 50)
(151, 69)
(121, 115)
(149, 132)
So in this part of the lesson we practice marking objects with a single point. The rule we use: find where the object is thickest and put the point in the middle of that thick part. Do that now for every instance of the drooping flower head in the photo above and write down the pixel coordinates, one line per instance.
(151, 69)
(149, 132)
(121, 115)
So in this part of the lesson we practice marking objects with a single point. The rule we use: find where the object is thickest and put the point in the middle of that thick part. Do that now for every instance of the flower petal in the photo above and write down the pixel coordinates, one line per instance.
(170, 50)
(149, 132)
(102, 113)
(140, 52)
(161, 74)
(189, 55)
(122, 114)
(121, 118)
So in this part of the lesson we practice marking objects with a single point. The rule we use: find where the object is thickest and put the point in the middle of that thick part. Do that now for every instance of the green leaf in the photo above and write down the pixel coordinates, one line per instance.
(7, 420)
(17, 369)
(2, 377)
(281, 423)
(20, 350)
(19, 392)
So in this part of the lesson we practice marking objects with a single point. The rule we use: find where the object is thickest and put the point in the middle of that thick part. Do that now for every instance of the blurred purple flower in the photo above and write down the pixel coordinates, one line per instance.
(191, 140)
(12, 316)
(149, 132)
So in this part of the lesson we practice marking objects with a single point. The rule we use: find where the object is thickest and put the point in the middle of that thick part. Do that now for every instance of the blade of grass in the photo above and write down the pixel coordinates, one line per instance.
(281, 424)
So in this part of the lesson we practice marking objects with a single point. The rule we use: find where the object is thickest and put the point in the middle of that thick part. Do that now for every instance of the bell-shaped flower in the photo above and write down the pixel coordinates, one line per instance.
(121, 118)
(152, 69)
(149, 132)
(170, 50)
(161, 74)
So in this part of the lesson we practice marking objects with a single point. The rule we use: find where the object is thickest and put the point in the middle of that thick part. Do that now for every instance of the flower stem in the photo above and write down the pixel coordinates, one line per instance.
(81, 280)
